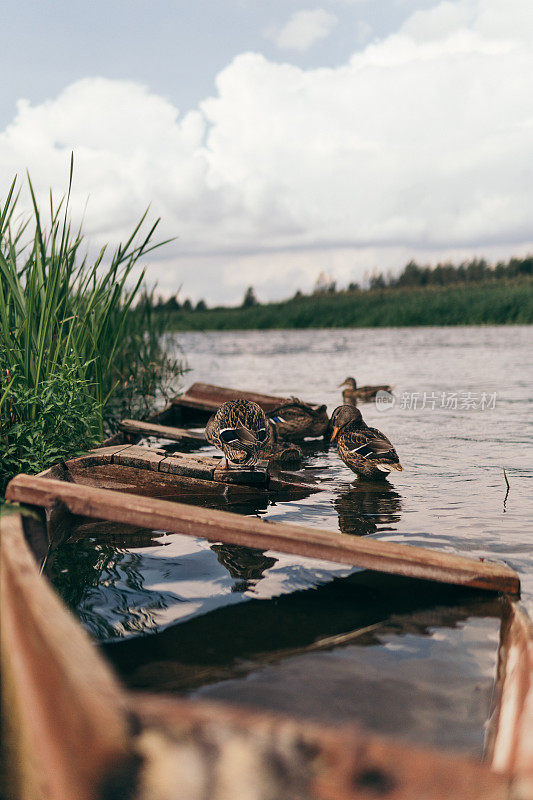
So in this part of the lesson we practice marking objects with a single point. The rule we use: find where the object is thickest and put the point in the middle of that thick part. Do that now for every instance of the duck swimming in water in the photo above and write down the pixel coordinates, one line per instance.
(240, 429)
(365, 450)
(352, 393)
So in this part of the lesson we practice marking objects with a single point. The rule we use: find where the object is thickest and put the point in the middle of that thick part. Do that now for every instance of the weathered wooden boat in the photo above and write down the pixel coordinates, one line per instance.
(194, 408)
(72, 730)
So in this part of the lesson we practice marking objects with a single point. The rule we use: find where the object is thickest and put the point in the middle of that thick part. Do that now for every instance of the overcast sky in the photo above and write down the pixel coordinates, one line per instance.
(277, 140)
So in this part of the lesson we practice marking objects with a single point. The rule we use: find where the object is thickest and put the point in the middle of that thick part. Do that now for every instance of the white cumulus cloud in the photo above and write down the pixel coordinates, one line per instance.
(420, 144)
(305, 28)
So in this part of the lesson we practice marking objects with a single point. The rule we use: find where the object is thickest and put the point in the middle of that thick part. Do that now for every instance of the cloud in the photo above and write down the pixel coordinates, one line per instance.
(420, 143)
(304, 29)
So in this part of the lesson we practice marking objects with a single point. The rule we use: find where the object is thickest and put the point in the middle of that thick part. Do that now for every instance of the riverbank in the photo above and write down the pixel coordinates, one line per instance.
(491, 302)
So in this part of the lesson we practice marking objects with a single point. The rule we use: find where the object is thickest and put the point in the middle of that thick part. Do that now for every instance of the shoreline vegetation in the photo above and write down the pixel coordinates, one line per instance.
(80, 345)
(472, 293)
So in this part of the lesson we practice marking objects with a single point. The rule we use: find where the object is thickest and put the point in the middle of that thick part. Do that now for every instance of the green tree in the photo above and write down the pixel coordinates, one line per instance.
(249, 298)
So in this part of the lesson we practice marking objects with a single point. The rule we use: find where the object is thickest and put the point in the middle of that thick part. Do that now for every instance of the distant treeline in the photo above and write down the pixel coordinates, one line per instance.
(473, 292)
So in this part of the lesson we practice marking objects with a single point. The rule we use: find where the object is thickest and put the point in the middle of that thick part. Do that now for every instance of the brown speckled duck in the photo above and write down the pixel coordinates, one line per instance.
(294, 420)
(352, 393)
(240, 429)
(281, 454)
(366, 451)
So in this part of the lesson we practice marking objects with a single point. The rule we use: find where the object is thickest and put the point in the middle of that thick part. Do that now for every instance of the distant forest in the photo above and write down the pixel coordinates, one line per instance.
(473, 292)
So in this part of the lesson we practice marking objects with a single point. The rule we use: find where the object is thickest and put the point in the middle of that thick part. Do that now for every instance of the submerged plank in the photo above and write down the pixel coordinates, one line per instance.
(162, 431)
(221, 526)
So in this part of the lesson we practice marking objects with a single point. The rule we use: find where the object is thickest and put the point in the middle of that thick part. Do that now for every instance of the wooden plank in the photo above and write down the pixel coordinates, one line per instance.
(181, 465)
(241, 753)
(134, 456)
(161, 431)
(68, 727)
(511, 745)
(164, 417)
(100, 455)
(220, 526)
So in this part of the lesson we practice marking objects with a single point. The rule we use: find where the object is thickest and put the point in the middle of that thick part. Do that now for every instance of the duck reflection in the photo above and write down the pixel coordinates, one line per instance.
(246, 566)
(367, 508)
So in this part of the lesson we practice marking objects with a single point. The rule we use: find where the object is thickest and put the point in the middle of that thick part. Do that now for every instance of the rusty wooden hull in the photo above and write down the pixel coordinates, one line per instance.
(74, 731)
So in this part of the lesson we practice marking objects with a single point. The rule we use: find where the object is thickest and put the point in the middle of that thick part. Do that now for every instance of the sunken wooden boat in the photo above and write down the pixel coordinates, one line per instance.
(72, 729)
(196, 405)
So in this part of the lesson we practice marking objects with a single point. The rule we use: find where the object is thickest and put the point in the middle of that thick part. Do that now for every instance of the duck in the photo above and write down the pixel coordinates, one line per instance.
(281, 454)
(366, 451)
(287, 456)
(294, 420)
(352, 393)
(240, 429)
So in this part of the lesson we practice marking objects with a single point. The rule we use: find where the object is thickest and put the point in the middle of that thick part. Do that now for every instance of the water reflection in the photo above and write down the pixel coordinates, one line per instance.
(405, 657)
(245, 565)
(367, 507)
(104, 585)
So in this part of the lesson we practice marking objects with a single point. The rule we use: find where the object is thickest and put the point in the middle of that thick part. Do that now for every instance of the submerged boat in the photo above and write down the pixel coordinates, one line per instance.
(197, 404)
(74, 728)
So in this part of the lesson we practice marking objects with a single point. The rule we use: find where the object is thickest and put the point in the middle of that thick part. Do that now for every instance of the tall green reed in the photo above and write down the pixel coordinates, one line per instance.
(77, 343)
(57, 306)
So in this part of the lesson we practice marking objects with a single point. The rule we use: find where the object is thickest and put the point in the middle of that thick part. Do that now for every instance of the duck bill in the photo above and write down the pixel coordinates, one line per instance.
(334, 434)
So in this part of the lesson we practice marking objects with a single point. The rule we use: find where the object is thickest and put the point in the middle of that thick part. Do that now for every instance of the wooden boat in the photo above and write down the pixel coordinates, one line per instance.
(73, 730)
(194, 408)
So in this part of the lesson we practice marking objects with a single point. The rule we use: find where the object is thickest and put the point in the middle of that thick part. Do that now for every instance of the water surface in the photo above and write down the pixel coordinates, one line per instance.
(178, 614)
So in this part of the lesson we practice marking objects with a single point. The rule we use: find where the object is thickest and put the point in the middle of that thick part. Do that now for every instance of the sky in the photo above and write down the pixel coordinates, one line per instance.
(277, 141)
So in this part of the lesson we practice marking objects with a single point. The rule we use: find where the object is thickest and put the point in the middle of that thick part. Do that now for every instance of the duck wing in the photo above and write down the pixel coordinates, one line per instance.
(372, 445)
(211, 431)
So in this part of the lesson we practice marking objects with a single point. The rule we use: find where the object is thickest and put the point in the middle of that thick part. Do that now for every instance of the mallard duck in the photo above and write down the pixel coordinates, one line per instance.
(286, 456)
(240, 429)
(352, 393)
(367, 451)
(294, 420)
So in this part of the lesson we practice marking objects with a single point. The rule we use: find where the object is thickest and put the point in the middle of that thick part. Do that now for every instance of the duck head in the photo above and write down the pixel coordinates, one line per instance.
(350, 383)
(342, 416)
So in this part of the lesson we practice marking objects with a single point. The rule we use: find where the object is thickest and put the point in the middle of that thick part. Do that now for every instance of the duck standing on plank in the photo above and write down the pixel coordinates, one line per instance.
(364, 450)
(240, 429)
(352, 394)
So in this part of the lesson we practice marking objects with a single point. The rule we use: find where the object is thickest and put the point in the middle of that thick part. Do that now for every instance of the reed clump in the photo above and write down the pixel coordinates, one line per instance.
(75, 348)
